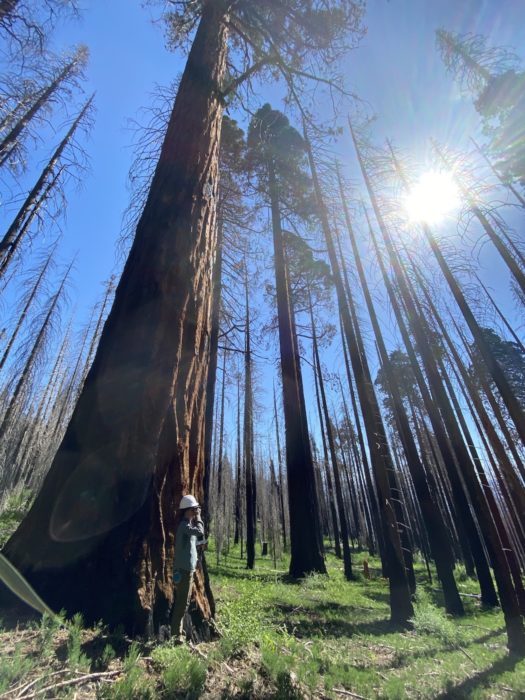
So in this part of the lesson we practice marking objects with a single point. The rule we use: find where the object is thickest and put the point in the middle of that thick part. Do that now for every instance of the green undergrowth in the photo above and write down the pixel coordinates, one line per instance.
(322, 637)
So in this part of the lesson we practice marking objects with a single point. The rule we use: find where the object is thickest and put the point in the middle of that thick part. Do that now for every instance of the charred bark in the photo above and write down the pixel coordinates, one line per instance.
(305, 535)
(100, 536)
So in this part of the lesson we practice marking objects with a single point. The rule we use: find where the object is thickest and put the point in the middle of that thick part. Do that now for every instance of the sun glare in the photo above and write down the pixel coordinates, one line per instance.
(432, 198)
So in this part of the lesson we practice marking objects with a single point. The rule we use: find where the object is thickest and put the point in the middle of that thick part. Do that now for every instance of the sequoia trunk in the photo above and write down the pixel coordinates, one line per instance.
(100, 536)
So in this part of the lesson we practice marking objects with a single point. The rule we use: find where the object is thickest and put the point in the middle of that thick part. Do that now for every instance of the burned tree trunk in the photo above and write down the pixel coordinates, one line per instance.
(401, 608)
(249, 466)
(305, 537)
(100, 536)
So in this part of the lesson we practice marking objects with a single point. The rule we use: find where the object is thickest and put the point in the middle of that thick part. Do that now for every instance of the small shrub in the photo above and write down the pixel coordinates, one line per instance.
(182, 673)
(77, 659)
(14, 667)
(430, 620)
(135, 685)
(108, 654)
(274, 661)
(287, 688)
(246, 685)
(315, 582)
(49, 626)
(395, 689)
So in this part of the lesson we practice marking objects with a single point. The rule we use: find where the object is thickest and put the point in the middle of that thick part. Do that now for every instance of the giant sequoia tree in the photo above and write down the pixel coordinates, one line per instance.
(277, 153)
(100, 535)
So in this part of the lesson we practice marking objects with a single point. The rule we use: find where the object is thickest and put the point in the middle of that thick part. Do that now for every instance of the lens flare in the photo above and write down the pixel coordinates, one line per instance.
(432, 198)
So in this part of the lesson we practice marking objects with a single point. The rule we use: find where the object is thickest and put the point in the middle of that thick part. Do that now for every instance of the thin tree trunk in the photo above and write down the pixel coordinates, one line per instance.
(238, 458)
(26, 308)
(461, 505)
(9, 141)
(29, 364)
(512, 403)
(401, 608)
(249, 468)
(330, 488)
(8, 241)
(504, 183)
(502, 317)
(6, 262)
(212, 371)
(347, 559)
(436, 530)
(509, 601)
(280, 466)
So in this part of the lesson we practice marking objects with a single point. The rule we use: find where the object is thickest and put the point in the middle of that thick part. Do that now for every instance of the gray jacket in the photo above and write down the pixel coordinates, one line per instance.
(186, 544)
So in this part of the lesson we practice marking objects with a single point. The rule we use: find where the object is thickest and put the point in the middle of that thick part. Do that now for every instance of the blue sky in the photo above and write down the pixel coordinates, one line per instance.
(396, 70)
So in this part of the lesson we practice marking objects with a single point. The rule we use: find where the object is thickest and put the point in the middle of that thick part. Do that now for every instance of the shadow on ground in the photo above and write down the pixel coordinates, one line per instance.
(484, 678)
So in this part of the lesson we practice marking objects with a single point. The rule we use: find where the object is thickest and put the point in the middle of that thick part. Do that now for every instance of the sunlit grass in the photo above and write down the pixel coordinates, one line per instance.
(326, 634)
(322, 637)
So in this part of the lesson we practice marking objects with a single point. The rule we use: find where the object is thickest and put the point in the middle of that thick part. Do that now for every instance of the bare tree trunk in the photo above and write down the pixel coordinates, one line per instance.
(7, 244)
(238, 473)
(401, 608)
(502, 317)
(249, 467)
(376, 530)
(280, 465)
(36, 348)
(212, 371)
(513, 405)
(305, 530)
(9, 141)
(347, 559)
(436, 530)
(504, 183)
(511, 480)
(508, 598)
(100, 536)
(391, 473)
(26, 308)
(221, 430)
(24, 228)
(461, 504)
(330, 488)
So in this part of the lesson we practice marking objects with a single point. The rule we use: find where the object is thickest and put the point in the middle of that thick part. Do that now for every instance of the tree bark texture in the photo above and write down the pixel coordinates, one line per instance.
(100, 536)
(305, 536)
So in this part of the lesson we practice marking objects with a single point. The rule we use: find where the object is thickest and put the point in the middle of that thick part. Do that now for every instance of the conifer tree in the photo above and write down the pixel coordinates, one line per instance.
(277, 152)
(136, 438)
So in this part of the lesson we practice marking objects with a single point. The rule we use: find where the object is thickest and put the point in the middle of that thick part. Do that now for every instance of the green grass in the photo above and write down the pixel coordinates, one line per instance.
(318, 638)
(327, 634)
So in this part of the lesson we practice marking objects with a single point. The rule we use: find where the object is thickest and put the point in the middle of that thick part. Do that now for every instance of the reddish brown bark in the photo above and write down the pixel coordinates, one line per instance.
(100, 536)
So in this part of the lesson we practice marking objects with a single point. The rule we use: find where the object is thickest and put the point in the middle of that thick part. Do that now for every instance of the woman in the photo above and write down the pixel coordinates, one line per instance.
(190, 528)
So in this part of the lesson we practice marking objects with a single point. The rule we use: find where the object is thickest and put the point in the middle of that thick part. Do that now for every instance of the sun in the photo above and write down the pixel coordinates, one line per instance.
(432, 198)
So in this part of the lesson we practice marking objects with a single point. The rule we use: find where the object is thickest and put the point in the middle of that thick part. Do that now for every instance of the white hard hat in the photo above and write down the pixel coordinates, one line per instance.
(188, 502)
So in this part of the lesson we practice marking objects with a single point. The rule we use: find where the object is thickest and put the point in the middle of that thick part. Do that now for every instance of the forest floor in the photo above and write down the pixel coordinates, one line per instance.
(320, 638)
